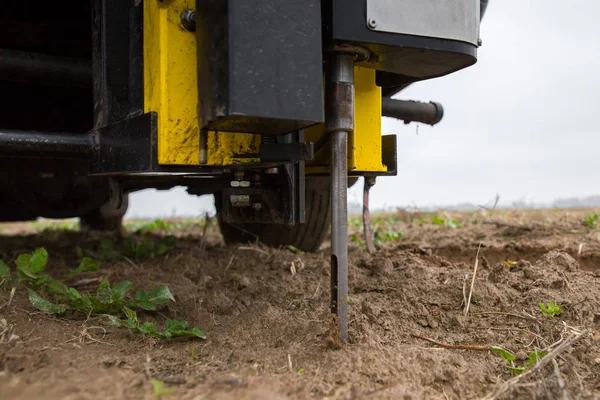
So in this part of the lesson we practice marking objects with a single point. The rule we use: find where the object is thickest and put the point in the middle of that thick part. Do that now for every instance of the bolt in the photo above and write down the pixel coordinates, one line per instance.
(257, 206)
(234, 183)
(479, 42)
(244, 184)
(372, 23)
(272, 171)
(370, 180)
(188, 20)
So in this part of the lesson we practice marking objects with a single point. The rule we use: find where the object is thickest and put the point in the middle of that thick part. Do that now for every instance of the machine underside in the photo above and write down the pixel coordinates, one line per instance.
(271, 105)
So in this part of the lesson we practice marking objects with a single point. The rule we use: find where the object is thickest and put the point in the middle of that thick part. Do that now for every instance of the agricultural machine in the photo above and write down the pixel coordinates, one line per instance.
(273, 106)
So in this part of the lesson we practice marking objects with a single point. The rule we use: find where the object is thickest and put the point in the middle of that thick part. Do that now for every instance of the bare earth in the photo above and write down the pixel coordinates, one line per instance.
(270, 334)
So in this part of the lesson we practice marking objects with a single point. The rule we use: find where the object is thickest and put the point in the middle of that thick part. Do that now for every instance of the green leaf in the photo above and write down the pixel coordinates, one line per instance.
(131, 316)
(120, 289)
(31, 266)
(160, 295)
(5, 272)
(141, 300)
(57, 288)
(507, 355)
(104, 292)
(175, 325)
(534, 357)
(165, 245)
(86, 265)
(197, 332)
(175, 328)
(39, 259)
(516, 370)
(148, 328)
(112, 320)
(23, 270)
(42, 304)
(106, 251)
(295, 250)
(159, 388)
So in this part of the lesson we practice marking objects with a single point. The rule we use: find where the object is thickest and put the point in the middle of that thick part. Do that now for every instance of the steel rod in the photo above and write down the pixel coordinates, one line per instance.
(17, 143)
(340, 123)
(369, 183)
(412, 111)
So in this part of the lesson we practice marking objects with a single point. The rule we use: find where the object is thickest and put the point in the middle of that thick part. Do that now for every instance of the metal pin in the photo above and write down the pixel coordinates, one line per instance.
(340, 123)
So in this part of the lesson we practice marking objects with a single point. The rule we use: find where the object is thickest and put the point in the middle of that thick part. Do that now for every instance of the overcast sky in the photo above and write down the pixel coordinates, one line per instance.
(521, 122)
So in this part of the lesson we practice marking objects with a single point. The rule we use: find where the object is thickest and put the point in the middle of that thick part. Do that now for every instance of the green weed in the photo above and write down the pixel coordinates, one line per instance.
(450, 222)
(591, 220)
(160, 390)
(295, 250)
(387, 236)
(107, 301)
(358, 240)
(551, 309)
(5, 276)
(300, 372)
(132, 248)
(510, 357)
(357, 222)
(172, 329)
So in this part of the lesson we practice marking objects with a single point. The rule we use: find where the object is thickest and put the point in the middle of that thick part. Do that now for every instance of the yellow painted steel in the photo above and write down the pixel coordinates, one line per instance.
(364, 144)
(170, 89)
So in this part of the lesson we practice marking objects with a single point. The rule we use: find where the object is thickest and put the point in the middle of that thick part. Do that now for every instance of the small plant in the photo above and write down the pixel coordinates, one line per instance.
(551, 309)
(107, 301)
(387, 236)
(4, 273)
(591, 220)
(300, 372)
(358, 240)
(147, 248)
(173, 328)
(295, 250)
(132, 248)
(510, 357)
(160, 390)
(452, 223)
(509, 264)
(357, 222)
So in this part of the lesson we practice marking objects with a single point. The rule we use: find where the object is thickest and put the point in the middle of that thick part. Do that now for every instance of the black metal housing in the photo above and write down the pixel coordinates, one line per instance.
(409, 58)
(259, 65)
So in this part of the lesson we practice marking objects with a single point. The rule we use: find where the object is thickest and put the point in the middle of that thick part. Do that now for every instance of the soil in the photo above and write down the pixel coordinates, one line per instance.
(270, 334)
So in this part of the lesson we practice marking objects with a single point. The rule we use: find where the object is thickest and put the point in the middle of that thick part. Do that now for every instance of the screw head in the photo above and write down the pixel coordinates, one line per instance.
(372, 23)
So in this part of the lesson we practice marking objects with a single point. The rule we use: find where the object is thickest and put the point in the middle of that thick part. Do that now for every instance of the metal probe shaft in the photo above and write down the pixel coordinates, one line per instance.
(340, 123)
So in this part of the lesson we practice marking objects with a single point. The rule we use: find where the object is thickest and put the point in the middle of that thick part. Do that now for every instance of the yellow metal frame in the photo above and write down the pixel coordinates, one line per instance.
(364, 144)
(170, 89)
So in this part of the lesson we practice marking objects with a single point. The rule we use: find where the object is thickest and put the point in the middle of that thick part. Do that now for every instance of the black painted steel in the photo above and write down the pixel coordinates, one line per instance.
(259, 65)
(15, 143)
